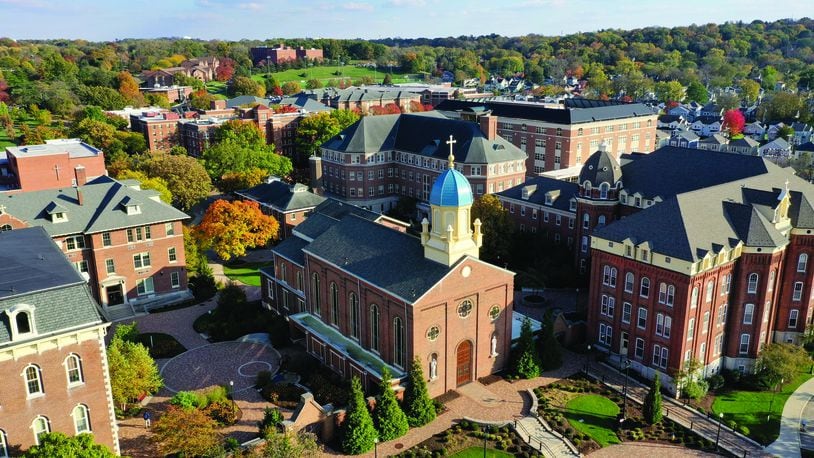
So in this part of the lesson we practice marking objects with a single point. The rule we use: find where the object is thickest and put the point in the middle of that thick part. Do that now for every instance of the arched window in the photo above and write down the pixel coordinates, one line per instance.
(629, 280)
(710, 291)
(315, 294)
(613, 273)
(283, 272)
(374, 327)
(586, 221)
(73, 367)
(751, 285)
(40, 426)
(603, 190)
(662, 293)
(671, 295)
(353, 300)
(81, 419)
(644, 290)
(4, 228)
(770, 286)
(694, 297)
(33, 380)
(3, 444)
(334, 291)
(802, 262)
(23, 320)
(601, 220)
(398, 342)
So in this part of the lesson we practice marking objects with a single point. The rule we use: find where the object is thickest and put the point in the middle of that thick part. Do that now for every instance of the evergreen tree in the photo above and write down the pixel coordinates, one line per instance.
(390, 420)
(417, 403)
(550, 354)
(358, 433)
(652, 402)
(388, 80)
(526, 363)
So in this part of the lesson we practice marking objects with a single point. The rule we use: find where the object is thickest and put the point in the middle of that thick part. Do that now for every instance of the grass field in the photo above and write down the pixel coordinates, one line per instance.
(477, 452)
(595, 416)
(327, 73)
(6, 141)
(751, 409)
(247, 273)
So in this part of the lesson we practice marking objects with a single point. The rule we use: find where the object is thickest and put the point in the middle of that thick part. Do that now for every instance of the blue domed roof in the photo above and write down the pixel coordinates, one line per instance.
(451, 189)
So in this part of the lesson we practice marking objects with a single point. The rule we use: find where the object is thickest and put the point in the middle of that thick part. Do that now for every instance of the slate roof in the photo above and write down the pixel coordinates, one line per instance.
(747, 142)
(246, 100)
(102, 208)
(601, 167)
(424, 134)
(389, 259)
(327, 213)
(291, 249)
(282, 196)
(303, 102)
(714, 139)
(538, 112)
(807, 146)
(539, 186)
(35, 272)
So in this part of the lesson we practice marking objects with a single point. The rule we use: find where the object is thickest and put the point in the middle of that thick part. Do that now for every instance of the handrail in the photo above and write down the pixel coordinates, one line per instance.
(542, 444)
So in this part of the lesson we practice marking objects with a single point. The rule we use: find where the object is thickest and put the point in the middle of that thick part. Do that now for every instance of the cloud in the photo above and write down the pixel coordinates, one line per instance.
(28, 4)
(408, 3)
(357, 6)
(251, 6)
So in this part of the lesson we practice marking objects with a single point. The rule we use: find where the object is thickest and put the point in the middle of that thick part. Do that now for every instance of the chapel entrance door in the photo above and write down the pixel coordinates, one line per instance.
(464, 363)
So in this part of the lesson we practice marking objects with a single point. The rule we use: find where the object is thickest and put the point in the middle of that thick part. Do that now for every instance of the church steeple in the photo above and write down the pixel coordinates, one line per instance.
(451, 236)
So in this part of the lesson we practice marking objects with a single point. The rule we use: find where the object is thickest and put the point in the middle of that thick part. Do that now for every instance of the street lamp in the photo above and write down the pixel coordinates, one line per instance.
(718, 436)
(376, 448)
(588, 360)
(626, 363)
(484, 446)
(232, 391)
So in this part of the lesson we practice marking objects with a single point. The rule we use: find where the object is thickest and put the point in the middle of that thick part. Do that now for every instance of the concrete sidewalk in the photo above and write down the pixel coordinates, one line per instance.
(787, 444)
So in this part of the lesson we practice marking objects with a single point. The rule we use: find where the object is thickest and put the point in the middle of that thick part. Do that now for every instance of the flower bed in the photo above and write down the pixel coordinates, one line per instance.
(584, 411)
(468, 435)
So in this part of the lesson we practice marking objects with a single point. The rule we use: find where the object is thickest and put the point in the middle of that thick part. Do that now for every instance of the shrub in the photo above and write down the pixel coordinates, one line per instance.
(223, 412)
(216, 394)
(744, 430)
(185, 399)
(282, 394)
(732, 424)
(716, 382)
(263, 378)
(231, 444)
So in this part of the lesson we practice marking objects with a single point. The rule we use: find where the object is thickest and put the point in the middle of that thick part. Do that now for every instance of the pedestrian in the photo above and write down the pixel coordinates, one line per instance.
(147, 419)
(803, 426)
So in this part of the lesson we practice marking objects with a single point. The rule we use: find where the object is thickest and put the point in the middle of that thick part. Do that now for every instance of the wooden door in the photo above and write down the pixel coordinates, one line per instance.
(464, 366)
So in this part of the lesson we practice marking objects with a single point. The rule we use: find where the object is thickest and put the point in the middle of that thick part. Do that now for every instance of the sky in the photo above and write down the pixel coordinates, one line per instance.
(103, 20)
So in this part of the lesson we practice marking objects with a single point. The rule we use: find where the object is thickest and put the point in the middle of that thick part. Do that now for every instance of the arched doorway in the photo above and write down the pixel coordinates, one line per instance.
(463, 356)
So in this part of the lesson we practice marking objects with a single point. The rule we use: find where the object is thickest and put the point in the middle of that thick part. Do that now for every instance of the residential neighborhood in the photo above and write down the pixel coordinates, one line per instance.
(513, 242)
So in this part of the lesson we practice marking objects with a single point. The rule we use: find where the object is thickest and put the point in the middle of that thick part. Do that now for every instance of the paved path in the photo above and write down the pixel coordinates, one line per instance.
(635, 449)
(532, 431)
(735, 443)
(787, 444)
(807, 438)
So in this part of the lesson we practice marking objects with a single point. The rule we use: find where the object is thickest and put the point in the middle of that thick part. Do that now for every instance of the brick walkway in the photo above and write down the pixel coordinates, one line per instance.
(700, 424)
(632, 449)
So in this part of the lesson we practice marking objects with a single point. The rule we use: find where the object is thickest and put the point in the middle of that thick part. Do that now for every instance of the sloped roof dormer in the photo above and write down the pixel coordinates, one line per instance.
(131, 206)
(56, 212)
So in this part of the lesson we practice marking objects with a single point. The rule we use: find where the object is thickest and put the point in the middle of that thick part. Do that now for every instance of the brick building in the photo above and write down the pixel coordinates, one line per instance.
(365, 98)
(289, 204)
(203, 69)
(56, 164)
(379, 159)
(159, 129)
(52, 350)
(124, 240)
(283, 53)
(564, 137)
(172, 93)
(361, 295)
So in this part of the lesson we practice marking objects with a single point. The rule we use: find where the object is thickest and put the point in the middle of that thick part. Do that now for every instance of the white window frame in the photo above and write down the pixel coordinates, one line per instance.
(794, 315)
(141, 286)
(752, 281)
(743, 347)
(627, 312)
(797, 294)
(644, 291)
(78, 369)
(175, 280)
(641, 318)
(748, 313)
(85, 417)
(34, 429)
(630, 281)
(172, 254)
(802, 262)
(40, 391)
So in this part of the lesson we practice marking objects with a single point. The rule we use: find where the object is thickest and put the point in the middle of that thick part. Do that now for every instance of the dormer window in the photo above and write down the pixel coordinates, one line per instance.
(131, 206)
(57, 212)
(548, 199)
(21, 319)
(573, 206)
(23, 322)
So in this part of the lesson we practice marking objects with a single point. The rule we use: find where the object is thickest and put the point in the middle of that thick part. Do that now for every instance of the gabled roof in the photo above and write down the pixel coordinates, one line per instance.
(807, 146)
(747, 142)
(282, 196)
(537, 188)
(101, 209)
(424, 134)
(539, 112)
(34, 272)
(714, 139)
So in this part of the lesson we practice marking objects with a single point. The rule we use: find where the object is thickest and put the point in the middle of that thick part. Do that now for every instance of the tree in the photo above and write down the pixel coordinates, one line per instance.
(97, 133)
(780, 362)
(550, 354)
(229, 228)
(782, 106)
(388, 79)
(230, 157)
(313, 83)
(290, 445)
(201, 100)
(785, 132)
(58, 444)
(727, 102)
(417, 403)
(233, 181)
(357, 434)
(243, 85)
(128, 88)
(133, 372)
(156, 184)
(390, 420)
(525, 362)
(313, 131)
(696, 92)
(497, 228)
(291, 88)
(689, 381)
(190, 432)
(750, 90)
(652, 402)
(243, 133)
(186, 178)
(225, 70)
(733, 123)
(669, 90)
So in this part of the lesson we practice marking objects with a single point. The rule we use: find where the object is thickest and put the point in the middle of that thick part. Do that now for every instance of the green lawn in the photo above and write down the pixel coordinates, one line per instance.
(595, 416)
(217, 88)
(477, 452)
(6, 141)
(751, 409)
(325, 74)
(246, 273)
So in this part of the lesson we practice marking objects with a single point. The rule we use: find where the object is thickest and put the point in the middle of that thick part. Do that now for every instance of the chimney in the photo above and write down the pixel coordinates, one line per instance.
(315, 167)
(80, 199)
(488, 125)
(217, 105)
(81, 175)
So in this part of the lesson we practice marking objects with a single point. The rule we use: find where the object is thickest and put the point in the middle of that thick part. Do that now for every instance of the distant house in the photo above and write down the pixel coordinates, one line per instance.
(802, 133)
(289, 204)
(755, 130)
(743, 145)
(711, 109)
(283, 53)
(775, 148)
(684, 139)
(705, 126)
(203, 69)
(671, 122)
(805, 148)
(715, 142)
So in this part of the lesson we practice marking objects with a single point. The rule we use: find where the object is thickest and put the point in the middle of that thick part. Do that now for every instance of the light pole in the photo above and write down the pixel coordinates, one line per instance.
(376, 448)
(718, 436)
(624, 390)
(588, 360)
(232, 392)
(484, 446)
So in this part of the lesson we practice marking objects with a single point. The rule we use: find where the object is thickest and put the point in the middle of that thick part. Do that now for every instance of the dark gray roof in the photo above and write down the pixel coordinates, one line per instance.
(329, 212)
(282, 196)
(539, 186)
(389, 259)
(102, 208)
(539, 112)
(807, 146)
(303, 102)
(246, 100)
(714, 139)
(744, 141)
(425, 134)
(291, 249)
(33, 271)
(601, 167)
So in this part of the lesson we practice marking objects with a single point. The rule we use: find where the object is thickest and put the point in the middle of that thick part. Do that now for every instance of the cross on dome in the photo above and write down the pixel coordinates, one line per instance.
(451, 157)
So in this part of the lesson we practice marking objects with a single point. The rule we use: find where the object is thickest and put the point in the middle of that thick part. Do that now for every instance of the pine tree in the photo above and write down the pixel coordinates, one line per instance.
(550, 355)
(358, 433)
(388, 80)
(417, 403)
(652, 402)
(390, 420)
(526, 363)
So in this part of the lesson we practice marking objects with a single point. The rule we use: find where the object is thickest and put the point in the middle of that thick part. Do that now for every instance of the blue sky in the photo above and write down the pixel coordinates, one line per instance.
(259, 19)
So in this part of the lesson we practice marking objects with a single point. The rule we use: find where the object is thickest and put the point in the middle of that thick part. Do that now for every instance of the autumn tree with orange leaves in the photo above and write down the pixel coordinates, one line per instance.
(229, 228)
(733, 123)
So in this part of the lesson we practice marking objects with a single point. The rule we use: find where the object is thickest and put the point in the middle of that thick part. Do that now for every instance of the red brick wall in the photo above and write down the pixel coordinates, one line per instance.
(54, 170)
(788, 277)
